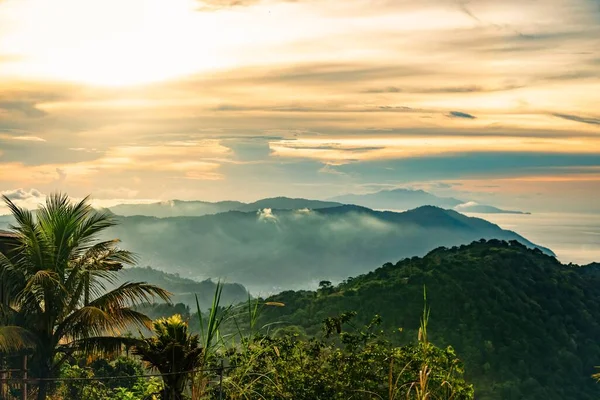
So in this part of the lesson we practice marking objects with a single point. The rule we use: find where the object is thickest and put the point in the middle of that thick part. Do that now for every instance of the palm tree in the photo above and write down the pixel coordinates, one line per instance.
(57, 300)
(173, 352)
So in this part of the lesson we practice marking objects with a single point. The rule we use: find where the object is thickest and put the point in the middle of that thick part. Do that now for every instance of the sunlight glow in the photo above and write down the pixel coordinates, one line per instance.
(109, 43)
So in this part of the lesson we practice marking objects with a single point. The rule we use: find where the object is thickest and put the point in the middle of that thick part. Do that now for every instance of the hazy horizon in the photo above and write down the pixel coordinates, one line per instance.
(573, 237)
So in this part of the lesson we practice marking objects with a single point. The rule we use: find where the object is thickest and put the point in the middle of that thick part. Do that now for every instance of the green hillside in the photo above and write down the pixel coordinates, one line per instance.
(526, 326)
(184, 290)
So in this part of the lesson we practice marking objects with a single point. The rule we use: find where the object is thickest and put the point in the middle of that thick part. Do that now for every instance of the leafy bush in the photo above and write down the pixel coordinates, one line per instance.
(130, 387)
(341, 365)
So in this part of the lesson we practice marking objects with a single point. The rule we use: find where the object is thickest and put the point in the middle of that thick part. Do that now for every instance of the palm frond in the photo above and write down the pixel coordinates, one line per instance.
(102, 261)
(8, 315)
(11, 280)
(43, 279)
(93, 223)
(33, 244)
(76, 293)
(90, 321)
(130, 294)
(37, 286)
(54, 221)
(16, 338)
(88, 275)
(128, 316)
(21, 215)
(106, 256)
(85, 322)
(61, 221)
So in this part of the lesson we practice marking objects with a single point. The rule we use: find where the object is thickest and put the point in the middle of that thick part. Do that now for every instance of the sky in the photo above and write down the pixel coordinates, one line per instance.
(488, 101)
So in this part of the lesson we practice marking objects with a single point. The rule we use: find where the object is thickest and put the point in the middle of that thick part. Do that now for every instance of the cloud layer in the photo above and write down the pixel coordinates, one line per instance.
(247, 99)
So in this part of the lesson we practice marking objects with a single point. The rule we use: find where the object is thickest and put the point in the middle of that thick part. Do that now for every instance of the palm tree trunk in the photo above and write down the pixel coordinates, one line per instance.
(43, 384)
(174, 387)
(42, 390)
(44, 372)
(168, 393)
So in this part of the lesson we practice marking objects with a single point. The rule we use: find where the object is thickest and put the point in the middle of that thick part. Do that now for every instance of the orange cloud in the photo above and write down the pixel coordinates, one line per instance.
(372, 148)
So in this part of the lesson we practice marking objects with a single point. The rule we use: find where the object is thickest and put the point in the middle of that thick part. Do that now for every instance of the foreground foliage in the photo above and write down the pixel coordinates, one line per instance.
(342, 365)
(54, 274)
(129, 387)
(173, 352)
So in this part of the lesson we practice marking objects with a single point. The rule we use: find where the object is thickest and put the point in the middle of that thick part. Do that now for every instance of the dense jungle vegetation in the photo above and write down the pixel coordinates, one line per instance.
(525, 325)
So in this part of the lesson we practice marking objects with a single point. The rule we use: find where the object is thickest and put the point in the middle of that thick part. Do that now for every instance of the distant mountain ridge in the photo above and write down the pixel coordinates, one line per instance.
(406, 199)
(396, 200)
(399, 199)
(269, 250)
(175, 208)
(5, 221)
(180, 208)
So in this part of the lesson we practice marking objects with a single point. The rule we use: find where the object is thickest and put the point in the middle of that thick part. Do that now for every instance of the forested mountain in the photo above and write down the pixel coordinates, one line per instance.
(525, 325)
(272, 250)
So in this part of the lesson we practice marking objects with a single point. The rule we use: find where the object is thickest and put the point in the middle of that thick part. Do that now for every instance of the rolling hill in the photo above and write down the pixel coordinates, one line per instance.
(185, 290)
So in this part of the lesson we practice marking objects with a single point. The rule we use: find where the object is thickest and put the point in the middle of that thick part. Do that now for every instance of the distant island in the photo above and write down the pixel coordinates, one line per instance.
(475, 208)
